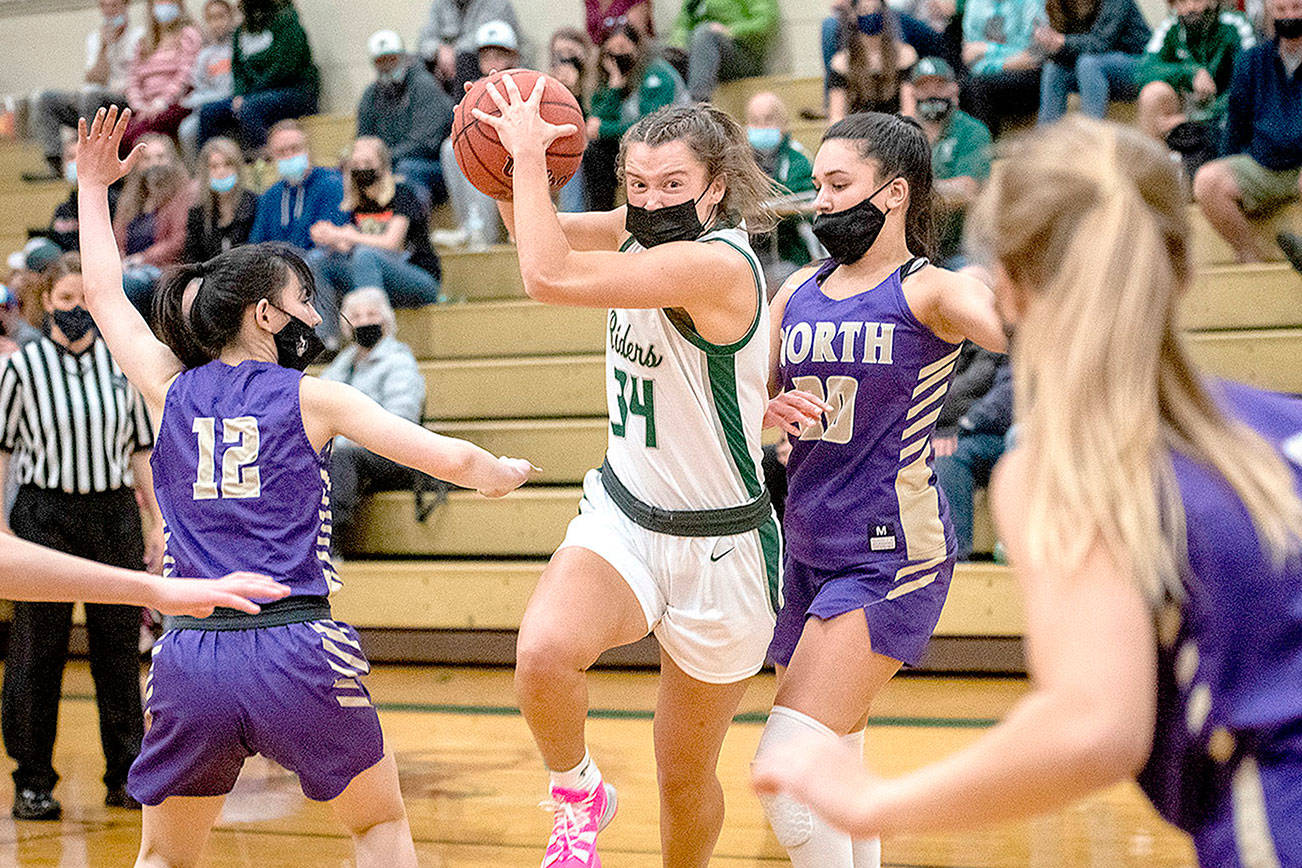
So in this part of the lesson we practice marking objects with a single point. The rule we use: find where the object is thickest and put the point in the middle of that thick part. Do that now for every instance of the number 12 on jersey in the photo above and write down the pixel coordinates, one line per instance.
(640, 402)
(240, 476)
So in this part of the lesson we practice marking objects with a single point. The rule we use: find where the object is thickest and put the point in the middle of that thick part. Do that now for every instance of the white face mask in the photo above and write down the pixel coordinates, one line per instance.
(166, 13)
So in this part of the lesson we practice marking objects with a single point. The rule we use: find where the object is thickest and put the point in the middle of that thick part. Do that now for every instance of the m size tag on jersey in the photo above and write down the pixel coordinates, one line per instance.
(881, 538)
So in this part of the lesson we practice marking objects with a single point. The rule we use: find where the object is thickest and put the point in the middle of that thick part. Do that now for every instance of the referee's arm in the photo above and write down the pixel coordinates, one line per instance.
(11, 402)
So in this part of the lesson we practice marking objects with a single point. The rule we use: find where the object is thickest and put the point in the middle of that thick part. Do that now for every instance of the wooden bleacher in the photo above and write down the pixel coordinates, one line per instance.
(523, 379)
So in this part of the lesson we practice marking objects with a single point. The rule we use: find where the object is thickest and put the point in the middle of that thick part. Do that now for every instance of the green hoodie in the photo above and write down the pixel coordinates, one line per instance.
(751, 22)
(1171, 57)
(282, 61)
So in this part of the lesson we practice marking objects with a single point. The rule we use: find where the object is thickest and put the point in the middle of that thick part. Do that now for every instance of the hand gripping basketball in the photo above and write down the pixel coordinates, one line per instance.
(495, 127)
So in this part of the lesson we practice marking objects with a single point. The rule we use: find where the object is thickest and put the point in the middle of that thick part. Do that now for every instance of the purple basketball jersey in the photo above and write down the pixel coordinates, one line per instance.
(239, 485)
(860, 483)
(1226, 764)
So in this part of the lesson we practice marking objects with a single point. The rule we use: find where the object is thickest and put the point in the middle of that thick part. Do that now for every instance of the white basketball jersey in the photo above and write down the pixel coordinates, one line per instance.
(685, 414)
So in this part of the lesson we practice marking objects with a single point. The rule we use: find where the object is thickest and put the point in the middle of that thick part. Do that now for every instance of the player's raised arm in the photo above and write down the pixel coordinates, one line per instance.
(336, 409)
(147, 362)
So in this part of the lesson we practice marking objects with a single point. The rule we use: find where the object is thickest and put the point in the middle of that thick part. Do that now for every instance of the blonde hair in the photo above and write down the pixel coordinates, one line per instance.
(1090, 219)
(386, 184)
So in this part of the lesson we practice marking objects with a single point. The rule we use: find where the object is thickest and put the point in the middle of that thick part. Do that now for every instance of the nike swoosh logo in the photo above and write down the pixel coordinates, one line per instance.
(714, 558)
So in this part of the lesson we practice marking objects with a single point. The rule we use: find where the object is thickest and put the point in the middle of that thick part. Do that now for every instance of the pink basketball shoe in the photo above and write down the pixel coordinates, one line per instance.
(578, 817)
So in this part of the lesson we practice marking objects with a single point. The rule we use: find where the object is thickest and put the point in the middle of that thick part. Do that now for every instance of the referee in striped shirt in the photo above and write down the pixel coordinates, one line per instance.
(76, 435)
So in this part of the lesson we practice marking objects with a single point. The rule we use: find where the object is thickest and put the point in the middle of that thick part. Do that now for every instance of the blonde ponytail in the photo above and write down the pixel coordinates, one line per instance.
(1090, 217)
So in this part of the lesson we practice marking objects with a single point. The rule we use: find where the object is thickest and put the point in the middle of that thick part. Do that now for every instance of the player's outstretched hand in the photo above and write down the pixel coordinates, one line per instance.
(98, 148)
(198, 597)
(792, 410)
(520, 124)
(510, 474)
(825, 775)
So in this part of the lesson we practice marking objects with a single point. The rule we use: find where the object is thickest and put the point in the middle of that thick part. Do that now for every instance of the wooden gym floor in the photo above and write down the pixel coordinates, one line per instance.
(472, 781)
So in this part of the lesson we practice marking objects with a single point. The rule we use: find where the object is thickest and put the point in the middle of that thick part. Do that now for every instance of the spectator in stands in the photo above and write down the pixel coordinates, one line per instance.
(603, 16)
(224, 216)
(961, 149)
(85, 507)
(1263, 137)
(633, 81)
(64, 223)
(1185, 77)
(1092, 47)
(449, 41)
(570, 61)
(866, 73)
(14, 326)
(787, 247)
(723, 40)
(273, 73)
(151, 218)
(409, 112)
(866, 21)
(478, 223)
(110, 49)
(304, 196)
(1003, 65)
(965, 459)
(211, 79)
(385, 245)
(160, 74)
(384, 369)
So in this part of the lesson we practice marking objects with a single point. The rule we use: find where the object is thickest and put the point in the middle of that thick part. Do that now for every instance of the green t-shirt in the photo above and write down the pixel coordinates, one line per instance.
(962, 151)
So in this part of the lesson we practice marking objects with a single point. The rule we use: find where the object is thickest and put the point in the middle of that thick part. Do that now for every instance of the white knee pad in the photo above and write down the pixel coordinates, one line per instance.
(792, 822)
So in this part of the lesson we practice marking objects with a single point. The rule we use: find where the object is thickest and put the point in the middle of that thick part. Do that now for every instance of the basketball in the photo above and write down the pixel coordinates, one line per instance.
(479, 152)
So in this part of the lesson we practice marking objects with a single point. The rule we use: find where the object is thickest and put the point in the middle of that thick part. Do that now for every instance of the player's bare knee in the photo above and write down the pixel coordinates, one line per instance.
(540, 657)
(1210, 182)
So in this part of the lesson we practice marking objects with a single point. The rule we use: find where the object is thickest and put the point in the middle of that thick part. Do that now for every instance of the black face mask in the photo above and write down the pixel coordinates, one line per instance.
(364, 178)
(73, 323)
(1199, 23)
(935, 109)
(670, 223)
(367, 336)
(623, 62)
(297, 343)
(1288, 28)
(849, 234)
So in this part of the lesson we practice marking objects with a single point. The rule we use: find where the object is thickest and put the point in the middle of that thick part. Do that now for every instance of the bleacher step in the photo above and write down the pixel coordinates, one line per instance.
(492, 595)
(1267, 358)
(564, 449)
(481, 275)
(516, 388)
(1267, 295)
(1210, 249)
(501, 328)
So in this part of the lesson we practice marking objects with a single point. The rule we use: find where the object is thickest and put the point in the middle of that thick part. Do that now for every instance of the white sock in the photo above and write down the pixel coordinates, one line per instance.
(810, 842)
(585, 776)
(867, 851)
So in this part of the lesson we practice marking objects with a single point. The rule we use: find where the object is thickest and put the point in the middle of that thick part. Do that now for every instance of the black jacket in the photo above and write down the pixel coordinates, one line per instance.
(204, 240)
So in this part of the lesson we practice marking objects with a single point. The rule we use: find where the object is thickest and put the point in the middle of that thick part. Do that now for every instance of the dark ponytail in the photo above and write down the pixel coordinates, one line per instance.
(197, 329)
(901, 149)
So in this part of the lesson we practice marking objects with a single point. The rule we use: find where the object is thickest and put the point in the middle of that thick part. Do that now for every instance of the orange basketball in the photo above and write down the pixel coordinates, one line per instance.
(479, 152)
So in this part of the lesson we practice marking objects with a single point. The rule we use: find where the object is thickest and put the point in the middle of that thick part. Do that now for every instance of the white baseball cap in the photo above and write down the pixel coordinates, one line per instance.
(496, 34)
(384, 43)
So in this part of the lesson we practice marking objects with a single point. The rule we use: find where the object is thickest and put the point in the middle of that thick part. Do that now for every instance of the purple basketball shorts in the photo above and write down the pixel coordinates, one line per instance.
(901, 600)
(292, 693)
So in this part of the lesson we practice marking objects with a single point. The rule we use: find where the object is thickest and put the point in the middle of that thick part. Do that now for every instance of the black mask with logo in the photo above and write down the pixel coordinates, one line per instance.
(364, 178)
(849, 234)
(297, 343)
(367, 336)
(1288, 28)
(73, 323)
(671, 223)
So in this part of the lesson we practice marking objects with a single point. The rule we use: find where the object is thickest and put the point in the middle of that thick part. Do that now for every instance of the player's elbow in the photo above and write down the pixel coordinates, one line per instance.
(1108, 740)
(543, 284)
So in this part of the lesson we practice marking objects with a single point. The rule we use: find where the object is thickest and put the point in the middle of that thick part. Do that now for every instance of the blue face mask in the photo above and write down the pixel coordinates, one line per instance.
(70, 172)
(764, 138)
(166, 13)
(293, 169)
(223, 185)
(117, 21)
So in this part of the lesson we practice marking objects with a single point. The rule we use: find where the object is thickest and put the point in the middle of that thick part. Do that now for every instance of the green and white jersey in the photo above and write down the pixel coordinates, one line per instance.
(685, 414)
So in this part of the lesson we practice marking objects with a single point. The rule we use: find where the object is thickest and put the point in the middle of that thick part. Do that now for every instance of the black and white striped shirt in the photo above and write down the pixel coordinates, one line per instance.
(71, 422)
